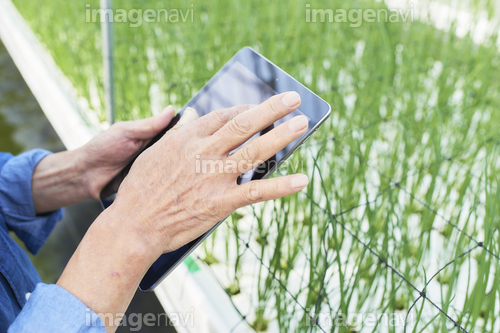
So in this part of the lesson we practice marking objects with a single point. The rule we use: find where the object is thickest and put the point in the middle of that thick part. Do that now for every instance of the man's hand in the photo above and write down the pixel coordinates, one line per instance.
(68, 177)
(168, 199)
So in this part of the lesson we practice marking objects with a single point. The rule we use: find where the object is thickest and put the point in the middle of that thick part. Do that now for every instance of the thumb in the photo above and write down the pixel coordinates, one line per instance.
(147, 128)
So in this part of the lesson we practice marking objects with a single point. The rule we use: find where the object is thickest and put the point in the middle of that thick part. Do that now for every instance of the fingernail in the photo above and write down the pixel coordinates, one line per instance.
(169, 109)
(299, 181)
(291, 99)
(298, 123)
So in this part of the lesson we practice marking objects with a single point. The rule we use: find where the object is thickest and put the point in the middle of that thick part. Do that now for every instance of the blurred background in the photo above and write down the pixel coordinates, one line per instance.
(402, 214)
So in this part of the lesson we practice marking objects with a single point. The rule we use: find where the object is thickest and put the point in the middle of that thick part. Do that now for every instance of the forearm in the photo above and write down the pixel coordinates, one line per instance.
(58, 181)
(105, 274)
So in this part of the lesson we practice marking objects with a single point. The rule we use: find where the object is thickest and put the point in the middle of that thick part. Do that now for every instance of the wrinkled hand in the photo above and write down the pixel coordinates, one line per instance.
(109, 152)
(168, 199)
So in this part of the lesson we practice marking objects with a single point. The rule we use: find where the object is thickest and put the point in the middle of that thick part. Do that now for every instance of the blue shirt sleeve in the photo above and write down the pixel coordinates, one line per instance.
(52, 309)
(16, 202)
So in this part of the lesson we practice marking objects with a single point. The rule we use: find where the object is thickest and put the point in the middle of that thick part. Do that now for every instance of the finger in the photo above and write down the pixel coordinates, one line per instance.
(188, 116)
(261, 149)
(245, 125)
(213, 121)
(267, 189)
(147, 128)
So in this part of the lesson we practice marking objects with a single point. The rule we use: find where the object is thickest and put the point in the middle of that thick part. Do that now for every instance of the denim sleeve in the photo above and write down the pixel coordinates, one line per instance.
(16, 201)
(52, 309)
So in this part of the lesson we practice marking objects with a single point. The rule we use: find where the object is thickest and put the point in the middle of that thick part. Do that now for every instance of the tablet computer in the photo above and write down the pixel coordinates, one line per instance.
(247, 78)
